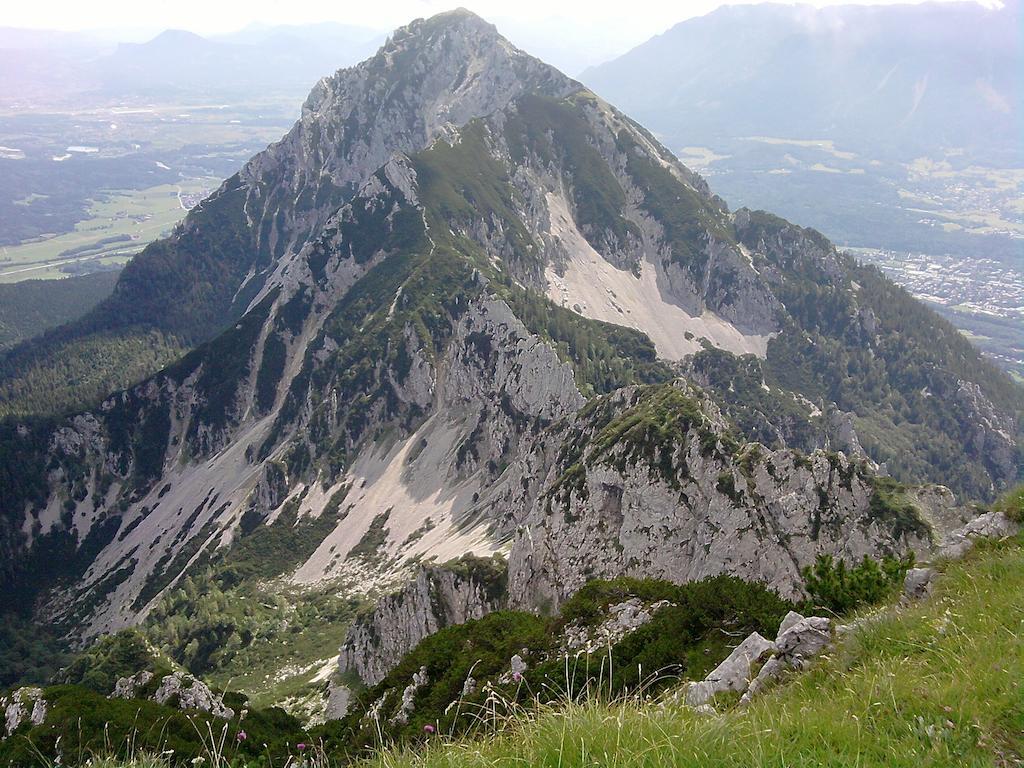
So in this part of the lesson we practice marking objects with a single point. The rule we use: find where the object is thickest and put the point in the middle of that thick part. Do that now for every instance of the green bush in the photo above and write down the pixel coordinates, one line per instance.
(1011, 504)
(30, 653)
(82, 724)
(114, 656)
(841, 589)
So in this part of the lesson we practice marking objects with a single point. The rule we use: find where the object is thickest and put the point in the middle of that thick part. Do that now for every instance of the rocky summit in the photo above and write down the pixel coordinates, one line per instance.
(465, 340)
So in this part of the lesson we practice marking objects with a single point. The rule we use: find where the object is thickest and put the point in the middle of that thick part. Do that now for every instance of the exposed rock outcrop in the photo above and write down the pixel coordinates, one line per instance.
(408, 704)
(800, 639)
(676, 500)
(734, 674)
(918, 583)
(438, 597)
(191, 693)
(623, 618)
(130, 687)
(989, 433)
(24, 705)
(991, 525)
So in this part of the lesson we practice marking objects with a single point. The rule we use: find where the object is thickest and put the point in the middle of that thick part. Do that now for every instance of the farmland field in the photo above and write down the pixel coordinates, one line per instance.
(118, 226)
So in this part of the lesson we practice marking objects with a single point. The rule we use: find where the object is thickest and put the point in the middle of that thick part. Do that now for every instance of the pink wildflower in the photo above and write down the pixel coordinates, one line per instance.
(300, 746)
(242, 736)
(428, 728)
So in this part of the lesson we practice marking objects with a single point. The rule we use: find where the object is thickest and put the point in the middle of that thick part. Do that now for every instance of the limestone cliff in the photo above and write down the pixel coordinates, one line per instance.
(438, 597)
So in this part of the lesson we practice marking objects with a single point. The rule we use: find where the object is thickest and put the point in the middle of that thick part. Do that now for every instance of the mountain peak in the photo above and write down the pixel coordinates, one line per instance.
(177, 37)
(431, 76)
(443, 30)
(456, 18)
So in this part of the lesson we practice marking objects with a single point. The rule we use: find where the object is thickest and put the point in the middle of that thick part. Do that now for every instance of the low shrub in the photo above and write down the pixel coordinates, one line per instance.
(833, 585)
(1011, 504)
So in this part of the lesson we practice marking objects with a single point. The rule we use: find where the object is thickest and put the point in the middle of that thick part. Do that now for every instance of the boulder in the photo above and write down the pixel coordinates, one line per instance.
(790, 619)
(25, 704)
(129, 687)
(800, 638)
(408, 705)
(517, 666)
(772, 669)
(803, 639)
(191, 694)
(991, 525)
(918, 583)
(733, 674)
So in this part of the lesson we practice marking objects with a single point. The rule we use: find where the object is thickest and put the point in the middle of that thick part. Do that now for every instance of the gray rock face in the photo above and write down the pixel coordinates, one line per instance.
(772, 670)
(802, 639)
(789, 620)
(23, 705)
(728, 285)
(692, 514)
(842, 434)
(733, 674)
(799, 640)
(623, 618)
(432, 77)
(408, 705)
(939, 507)
(918, 583)
(517, 666)
(191, 694)
(991, 525)
(989, 432)
(338, 699)
(438, 597)
(493, 350)
(507, 378)
(129, 687)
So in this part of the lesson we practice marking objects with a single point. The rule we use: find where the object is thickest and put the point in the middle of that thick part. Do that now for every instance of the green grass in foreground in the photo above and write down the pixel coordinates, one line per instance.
(938, 684)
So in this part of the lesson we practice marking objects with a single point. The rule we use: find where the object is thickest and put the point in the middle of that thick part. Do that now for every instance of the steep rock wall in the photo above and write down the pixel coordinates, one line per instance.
(438, 597)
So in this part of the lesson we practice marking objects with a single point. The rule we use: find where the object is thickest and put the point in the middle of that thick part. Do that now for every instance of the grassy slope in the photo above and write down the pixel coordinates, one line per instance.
(938, 684)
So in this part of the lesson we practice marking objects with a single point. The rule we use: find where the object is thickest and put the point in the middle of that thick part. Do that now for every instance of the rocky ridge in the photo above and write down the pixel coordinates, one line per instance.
(400, 361)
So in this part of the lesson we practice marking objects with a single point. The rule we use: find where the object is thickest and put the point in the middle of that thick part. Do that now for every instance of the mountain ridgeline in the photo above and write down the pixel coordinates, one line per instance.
(894, 79)
(465, 305)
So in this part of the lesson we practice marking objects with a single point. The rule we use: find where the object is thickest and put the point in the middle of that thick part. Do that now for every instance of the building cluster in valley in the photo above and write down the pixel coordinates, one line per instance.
(974, 285)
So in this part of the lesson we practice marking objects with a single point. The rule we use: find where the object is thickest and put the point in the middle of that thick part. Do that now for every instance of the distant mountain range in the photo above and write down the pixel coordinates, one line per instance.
(907, 78)
(52, 67)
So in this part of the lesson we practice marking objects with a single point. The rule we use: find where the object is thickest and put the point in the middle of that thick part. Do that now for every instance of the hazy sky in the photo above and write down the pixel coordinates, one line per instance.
(211, 16)
(594, 30)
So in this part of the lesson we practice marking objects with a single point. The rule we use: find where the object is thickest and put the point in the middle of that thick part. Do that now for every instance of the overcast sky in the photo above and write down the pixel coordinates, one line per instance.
(595, 29)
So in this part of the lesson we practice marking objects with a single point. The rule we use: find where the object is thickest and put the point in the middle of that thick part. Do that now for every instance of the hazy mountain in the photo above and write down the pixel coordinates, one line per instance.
(878, 78)
(279, 58)
(257, 61)
(467, 306)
